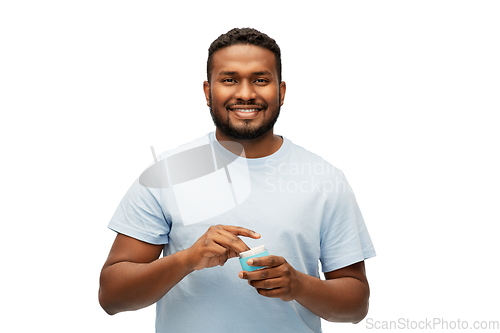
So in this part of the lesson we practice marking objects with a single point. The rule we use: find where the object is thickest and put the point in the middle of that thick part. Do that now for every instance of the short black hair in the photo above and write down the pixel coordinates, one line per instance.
(244, 36)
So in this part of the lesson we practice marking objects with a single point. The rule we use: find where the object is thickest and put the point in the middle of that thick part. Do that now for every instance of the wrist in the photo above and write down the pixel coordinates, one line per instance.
(184, 259)
(304, 281)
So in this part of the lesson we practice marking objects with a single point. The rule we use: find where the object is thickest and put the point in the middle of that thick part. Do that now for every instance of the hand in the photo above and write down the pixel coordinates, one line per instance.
(279, 279)
(217, 245)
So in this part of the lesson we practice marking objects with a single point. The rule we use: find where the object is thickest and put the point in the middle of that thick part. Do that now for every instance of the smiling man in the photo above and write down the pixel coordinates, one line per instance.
(245, 94)
(299, 205)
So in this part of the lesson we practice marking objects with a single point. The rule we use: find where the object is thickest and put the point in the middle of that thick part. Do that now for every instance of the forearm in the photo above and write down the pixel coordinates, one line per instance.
(339, 300)
(126, 286)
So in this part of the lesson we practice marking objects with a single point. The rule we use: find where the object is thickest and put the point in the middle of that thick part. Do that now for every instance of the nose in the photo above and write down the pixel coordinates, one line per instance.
(245, 91)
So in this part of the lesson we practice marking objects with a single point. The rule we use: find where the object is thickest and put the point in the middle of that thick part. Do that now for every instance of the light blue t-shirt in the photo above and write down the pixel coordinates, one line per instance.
(301, 205)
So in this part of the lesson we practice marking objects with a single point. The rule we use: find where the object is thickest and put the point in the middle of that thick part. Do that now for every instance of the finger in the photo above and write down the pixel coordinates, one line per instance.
(232, 254)
(261, 274)
(240, 231)
(223, 258)
(213, 261)
(226, 242)
(274, 293)
(267, 283)
(230, 241)
(268, 261)
(213, 249)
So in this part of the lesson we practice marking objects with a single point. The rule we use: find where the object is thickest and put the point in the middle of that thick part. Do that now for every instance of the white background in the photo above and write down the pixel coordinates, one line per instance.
(403, 96)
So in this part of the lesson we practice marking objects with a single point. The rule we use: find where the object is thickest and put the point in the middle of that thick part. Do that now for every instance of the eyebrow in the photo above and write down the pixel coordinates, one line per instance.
(262, 73)
(254, 73)
(228, 73)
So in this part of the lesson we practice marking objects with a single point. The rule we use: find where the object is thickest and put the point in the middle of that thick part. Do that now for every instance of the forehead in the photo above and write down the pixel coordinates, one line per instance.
(243, 58)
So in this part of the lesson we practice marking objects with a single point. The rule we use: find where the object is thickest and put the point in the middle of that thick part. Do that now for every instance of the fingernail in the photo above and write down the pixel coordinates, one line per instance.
(241, 275)
(256, 234)
(250, 261)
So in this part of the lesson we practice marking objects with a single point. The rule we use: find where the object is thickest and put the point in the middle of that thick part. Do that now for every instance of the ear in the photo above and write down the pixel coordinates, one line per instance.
(206, 89)
(282, 92)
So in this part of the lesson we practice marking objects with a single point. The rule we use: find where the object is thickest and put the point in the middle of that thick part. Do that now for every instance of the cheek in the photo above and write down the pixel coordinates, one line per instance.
(221, 95)
(270, 95)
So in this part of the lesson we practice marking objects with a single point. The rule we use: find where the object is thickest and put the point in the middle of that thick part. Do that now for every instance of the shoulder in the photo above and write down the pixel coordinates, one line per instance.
(315, 162)
(198, 142)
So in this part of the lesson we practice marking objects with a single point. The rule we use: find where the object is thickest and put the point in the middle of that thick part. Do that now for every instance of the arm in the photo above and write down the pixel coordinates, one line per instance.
(342, 297)
(133, 277)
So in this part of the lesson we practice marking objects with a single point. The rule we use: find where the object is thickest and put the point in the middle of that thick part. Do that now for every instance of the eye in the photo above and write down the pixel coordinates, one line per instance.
(228, 80)
(261, 81)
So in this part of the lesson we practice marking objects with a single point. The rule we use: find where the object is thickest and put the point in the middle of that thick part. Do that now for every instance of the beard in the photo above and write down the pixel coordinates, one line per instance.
(248, 131)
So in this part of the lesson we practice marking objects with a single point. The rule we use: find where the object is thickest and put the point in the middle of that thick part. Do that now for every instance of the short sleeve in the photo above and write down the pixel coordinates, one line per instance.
(344, 236)
(140, 215)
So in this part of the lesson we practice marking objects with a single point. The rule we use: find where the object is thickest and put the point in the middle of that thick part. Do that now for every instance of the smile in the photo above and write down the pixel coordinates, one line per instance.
(245, 110)
(245, 113)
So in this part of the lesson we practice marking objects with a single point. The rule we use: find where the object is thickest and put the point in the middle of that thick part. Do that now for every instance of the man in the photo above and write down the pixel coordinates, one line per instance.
(300, 206)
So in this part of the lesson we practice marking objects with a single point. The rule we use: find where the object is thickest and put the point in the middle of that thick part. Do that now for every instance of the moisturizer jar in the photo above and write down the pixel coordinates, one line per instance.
(259, 251)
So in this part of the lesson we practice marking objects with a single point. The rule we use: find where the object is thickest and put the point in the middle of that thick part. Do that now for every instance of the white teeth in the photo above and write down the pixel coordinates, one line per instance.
(245, 110)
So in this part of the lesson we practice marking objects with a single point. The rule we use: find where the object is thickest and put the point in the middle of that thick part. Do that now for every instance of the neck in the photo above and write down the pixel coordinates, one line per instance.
(262, 146)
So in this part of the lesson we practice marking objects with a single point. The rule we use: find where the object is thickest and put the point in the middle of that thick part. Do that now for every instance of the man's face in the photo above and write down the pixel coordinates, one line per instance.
(244, 95)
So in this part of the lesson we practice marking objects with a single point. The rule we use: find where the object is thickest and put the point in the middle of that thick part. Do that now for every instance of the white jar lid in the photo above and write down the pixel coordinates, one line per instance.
(254, 251)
